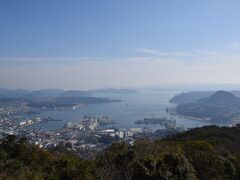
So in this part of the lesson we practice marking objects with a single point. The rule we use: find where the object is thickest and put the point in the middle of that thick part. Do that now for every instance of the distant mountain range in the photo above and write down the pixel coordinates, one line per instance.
(57, 98)
(220, 106)
(194, 96)
(22, 93)
(113, 91)
(74, 93)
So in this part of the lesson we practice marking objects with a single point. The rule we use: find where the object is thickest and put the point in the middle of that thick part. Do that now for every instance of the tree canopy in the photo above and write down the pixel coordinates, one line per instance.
(209, 152)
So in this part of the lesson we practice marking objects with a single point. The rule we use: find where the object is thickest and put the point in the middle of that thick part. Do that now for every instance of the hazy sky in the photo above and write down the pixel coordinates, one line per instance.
(84, 44)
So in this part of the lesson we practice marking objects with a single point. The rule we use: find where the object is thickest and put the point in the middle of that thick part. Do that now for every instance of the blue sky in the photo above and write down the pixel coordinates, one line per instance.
(144, 34)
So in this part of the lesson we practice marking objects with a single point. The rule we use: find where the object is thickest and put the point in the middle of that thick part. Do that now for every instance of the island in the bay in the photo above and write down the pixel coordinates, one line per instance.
(54, 98)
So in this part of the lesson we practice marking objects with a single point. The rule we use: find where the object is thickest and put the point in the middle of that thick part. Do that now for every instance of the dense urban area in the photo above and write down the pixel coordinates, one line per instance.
(88, 136)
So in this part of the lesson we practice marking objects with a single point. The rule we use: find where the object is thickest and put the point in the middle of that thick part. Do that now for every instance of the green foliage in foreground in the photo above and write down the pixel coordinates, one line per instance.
(19, 160)
(202, 153)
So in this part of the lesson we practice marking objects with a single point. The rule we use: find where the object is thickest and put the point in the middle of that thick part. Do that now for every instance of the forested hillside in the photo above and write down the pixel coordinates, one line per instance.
(209, 152)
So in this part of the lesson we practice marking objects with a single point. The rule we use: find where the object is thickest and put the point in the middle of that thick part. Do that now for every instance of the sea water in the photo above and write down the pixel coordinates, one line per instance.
(134, 106)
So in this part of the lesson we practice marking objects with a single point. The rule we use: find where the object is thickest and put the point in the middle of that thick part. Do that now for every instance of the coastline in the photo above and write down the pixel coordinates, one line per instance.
(189, 117)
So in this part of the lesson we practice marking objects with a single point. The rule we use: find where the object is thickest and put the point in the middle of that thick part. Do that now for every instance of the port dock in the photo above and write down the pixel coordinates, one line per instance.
(168, 124)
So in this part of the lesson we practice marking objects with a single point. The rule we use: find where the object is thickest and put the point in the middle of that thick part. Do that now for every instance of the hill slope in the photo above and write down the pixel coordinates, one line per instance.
(194, 96)
(221, 106)
(203, 153)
